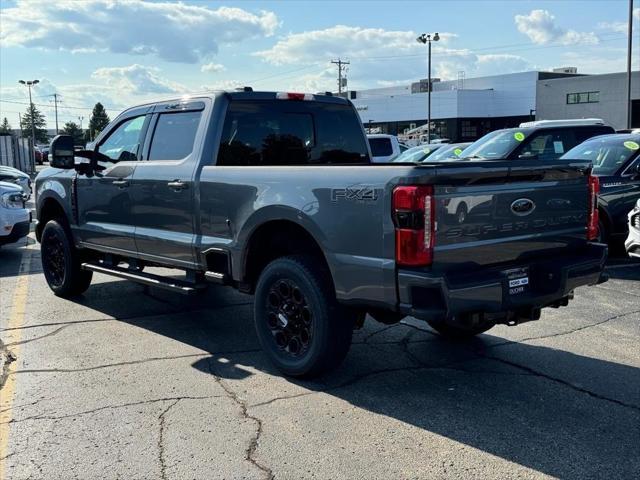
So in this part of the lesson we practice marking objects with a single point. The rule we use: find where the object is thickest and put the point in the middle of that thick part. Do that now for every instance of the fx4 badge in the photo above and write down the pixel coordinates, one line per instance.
(365, 194)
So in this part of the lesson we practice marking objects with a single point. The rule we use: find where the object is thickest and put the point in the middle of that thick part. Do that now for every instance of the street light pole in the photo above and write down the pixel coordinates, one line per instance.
(424, 38)
(29, 84)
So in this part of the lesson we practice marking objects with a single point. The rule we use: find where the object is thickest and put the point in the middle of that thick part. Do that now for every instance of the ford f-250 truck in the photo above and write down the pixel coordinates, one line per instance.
(274, 194)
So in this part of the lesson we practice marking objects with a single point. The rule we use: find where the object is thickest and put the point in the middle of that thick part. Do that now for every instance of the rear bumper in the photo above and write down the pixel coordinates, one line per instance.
(455, 298)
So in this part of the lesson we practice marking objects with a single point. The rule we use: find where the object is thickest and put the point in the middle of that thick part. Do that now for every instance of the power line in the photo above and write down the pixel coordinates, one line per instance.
(66, 106)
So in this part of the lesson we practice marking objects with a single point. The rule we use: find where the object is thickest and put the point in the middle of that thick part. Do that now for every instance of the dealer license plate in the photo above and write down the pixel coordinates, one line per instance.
(518, 280)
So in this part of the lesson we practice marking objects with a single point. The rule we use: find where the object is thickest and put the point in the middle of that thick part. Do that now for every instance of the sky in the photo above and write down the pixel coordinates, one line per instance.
(122, 53)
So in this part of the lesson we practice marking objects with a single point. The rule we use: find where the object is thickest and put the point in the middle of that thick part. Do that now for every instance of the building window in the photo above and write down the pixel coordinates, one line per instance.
(583, 97)
(468, 130)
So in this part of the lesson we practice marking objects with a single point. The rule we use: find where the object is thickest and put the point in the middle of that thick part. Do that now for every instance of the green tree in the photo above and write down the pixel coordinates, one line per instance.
(99, 119)
(73, 129)
(5, 127)
(39, 124)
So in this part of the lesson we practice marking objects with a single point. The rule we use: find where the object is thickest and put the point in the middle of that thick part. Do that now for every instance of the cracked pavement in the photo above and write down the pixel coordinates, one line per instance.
(131, 382)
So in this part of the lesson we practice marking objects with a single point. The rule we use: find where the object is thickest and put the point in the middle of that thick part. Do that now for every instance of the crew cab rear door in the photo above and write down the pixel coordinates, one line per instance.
(163, 190)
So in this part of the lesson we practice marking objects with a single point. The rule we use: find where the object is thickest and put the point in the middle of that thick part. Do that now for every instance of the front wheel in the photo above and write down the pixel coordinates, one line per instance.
(61, 263)
(299, 323)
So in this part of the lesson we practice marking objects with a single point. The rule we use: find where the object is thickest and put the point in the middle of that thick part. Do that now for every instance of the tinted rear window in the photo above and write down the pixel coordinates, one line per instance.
(380, 147)
(281, 132)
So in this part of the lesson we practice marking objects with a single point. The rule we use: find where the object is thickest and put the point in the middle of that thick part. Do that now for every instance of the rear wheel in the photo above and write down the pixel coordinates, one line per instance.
(61, 262)
(454, 332)
(300, 325)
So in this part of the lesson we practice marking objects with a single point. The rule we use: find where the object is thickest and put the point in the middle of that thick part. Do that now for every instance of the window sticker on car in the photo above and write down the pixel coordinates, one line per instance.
(631, 145)
(558, 147)
(457, 151)
(426, 150)
(519, 136)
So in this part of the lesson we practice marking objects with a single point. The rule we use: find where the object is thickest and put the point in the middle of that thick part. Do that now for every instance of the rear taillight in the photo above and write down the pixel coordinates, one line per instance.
(414, 219)
(593, 217)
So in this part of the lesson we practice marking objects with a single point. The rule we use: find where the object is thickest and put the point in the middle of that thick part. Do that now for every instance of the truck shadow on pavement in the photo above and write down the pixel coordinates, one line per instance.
(559, 413)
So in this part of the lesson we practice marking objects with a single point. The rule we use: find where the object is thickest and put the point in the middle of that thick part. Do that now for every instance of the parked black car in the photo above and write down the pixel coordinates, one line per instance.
(616, 162)
(633, 240)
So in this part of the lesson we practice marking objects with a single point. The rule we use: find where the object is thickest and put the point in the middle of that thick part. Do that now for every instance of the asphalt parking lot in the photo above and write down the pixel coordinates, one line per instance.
(130, 382)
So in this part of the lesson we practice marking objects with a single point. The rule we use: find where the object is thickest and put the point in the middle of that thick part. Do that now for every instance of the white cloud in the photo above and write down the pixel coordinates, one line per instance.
(136, 80)
(175, 32)
(343, 41)
(621, 27)
(212, 68)
(540, 26)
(222, 85)
(617, 27)
(475, 65)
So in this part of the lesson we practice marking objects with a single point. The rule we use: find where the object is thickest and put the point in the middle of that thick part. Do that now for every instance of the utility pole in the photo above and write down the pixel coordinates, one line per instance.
(81, 119)
(341, 66)
(55, 102)
(629, 43)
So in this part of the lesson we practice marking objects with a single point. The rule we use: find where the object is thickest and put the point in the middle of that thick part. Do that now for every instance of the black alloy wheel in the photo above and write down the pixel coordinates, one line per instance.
(289, 318)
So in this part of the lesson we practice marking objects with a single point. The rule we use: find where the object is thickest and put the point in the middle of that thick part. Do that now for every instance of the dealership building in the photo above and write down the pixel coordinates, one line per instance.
(465, 109)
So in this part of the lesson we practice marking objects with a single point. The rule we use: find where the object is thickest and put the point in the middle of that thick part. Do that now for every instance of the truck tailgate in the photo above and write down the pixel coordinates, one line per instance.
(500, 213)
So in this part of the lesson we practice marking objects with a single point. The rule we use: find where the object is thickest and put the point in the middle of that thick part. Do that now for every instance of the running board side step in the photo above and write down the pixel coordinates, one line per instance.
(166, 283)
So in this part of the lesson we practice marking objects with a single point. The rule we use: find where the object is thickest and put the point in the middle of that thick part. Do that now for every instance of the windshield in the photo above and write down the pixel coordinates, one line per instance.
(498, 144)
(416, 154)
(607, 155)
(448, 152)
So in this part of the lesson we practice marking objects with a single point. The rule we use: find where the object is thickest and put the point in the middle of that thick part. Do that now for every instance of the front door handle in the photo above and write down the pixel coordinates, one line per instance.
(177, 185)
(120, 183)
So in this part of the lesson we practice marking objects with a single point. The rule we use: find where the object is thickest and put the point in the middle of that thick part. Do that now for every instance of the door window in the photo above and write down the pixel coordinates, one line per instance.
(124, 142)
(174, 135)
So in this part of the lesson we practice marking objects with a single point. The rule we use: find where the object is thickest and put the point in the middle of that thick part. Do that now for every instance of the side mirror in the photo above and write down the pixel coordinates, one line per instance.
(636, 170)
(61, 152)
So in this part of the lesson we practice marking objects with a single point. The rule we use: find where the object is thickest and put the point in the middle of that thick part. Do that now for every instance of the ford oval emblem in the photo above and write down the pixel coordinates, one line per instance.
(522, 207)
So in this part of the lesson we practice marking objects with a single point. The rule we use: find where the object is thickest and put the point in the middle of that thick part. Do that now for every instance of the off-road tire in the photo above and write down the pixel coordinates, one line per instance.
(328, 329)
(61, 261)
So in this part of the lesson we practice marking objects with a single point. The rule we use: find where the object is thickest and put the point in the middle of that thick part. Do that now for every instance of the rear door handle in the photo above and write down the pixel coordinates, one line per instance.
(121, 183)
(177, 185)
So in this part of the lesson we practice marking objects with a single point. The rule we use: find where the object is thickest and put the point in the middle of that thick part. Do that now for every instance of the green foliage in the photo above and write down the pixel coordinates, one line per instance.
(99, 119)
(39, 124)
(73, 129)
(5, 127)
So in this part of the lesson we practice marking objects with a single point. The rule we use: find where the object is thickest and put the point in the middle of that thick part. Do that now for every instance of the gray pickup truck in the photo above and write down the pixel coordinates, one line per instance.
(274, 194)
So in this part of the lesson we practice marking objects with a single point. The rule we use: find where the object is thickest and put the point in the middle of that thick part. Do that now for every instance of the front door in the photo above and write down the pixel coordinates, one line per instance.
(163, 190)
(104, 202)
